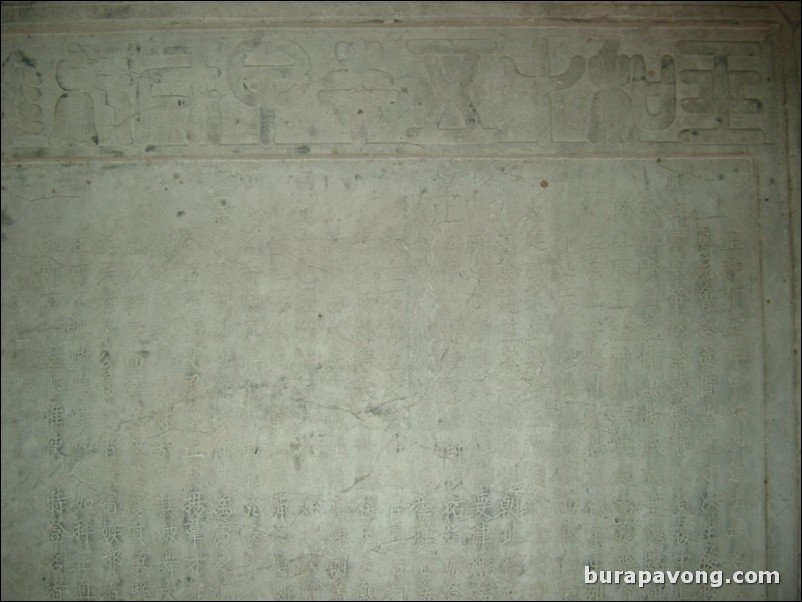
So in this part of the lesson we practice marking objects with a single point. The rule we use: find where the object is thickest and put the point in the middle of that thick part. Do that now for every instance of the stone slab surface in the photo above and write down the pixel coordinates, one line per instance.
(398, 301)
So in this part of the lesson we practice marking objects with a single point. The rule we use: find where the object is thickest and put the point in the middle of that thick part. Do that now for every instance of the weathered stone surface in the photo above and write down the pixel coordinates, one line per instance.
(399, 301)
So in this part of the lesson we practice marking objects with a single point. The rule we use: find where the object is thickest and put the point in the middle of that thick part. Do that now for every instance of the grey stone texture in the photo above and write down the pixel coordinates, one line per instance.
(399, 300)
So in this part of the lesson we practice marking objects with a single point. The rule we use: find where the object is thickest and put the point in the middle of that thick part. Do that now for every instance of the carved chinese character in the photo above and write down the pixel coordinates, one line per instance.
(724, 92)
(451, 66)
(268, 74)
(94, 107)
(178, 96)
(22, 110)
(620, 108)
(361, 93)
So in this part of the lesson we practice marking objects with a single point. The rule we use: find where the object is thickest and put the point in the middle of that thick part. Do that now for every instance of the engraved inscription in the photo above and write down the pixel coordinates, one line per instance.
(268, 93)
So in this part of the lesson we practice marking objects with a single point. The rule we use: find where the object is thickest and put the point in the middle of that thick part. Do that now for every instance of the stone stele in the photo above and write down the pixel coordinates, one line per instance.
(399, 301)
